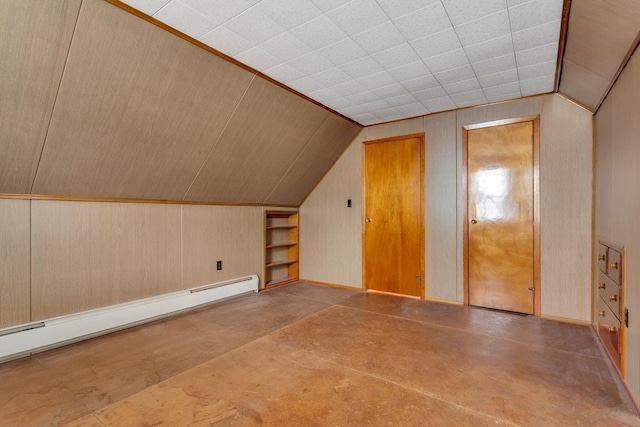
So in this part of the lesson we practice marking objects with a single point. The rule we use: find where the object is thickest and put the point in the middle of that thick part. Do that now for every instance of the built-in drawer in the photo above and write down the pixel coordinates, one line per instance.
(610, 293)
(609, 329)
(602, 257)
(613, 265)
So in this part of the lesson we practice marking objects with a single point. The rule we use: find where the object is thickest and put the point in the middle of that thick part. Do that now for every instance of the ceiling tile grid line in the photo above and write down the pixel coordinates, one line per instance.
(354, 55)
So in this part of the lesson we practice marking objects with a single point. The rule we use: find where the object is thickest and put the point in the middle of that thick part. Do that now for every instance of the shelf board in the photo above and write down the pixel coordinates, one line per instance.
(281, 281)
(278, 263)
(281, 245)
(281, 227)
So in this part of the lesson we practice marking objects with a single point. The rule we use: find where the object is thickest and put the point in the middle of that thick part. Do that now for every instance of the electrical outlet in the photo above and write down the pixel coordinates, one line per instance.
(348, 203)
(219, 265)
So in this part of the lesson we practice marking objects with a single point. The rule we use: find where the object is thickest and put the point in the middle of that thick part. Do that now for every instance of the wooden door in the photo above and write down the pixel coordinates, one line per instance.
(501, 216)
(394, 226)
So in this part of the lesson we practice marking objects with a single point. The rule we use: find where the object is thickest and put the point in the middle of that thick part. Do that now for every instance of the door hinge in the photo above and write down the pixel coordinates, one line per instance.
(626, 317)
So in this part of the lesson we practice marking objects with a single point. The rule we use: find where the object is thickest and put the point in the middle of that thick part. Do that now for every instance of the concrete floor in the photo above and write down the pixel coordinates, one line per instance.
(307, 355)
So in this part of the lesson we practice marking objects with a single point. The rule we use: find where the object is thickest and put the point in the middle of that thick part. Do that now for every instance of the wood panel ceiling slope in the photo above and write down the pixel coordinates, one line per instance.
(601, 33)
(131, 111)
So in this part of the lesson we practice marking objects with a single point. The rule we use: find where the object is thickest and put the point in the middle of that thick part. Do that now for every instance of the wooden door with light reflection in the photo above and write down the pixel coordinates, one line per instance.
(500, 216)
(393, 228)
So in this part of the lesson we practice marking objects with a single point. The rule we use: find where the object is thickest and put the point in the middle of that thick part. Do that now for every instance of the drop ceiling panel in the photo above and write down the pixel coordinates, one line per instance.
(112, 135)
(265, 135)
(34, 41)
(371, 41)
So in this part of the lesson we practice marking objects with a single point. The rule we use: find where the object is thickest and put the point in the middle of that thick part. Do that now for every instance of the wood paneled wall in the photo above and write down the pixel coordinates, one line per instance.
(565, 194)
(618, 195)
(15, 274)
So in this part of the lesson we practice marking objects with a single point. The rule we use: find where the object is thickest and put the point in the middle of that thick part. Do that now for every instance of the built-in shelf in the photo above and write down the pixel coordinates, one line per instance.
(281, 247)
(283, 262)
(281, 281)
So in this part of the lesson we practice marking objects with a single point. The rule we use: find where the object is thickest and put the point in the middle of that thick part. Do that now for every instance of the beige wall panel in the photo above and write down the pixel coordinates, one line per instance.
(138, 111)
(15, 256)
(582, 85)
(314, 161)
(330, 232)
(88, 255)
(34, 41)
(600, 34)
(566, 179)
(232, 234)
(604, 168)
(440, 183)
(266, 134)
(387, 130)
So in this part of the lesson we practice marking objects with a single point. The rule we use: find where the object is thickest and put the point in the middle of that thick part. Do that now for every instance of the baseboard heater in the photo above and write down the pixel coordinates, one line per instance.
(25, 339)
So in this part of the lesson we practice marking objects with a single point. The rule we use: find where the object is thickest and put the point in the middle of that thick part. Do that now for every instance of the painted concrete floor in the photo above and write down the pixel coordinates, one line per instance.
(307, 355)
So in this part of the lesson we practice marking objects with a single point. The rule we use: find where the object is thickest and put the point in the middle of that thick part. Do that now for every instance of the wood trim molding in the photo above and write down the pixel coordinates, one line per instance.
(219, 54)
(565, 320)
(562, 43)
(536, 205)
(443, 301)
(330, 285)
(573, 101)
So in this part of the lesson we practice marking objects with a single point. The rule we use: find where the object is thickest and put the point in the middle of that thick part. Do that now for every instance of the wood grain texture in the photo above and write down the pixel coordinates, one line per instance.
(440, 206)
(566, 166)
(90, 255)
(232, 234)
(34, 41)
(582, 85)
(138, 110)
(265, 135)
(330, 236)
(15, 275)
(618, 142)
(317, 157)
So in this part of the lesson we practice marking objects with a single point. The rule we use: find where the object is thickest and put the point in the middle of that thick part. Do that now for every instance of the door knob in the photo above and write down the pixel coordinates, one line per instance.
(368, 219)
(474, 221)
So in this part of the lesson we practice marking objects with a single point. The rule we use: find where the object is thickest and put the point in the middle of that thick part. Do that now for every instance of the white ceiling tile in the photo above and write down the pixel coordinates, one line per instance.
(397, 8)
(254, 26)
(319, 32)
(258, 59)
(147, 6)
(379, 38)
(285, 47)
(505, 89)
(289, 13)
(403, 99)
(410, 71)
(412, 110)
(424, 22)
(361, 67)
(494, 65)
(377, 80)
(437, 44)
(305, 85)
(357, 16)
(396, 56)
(505, 97)
(431, 93)
(455, 75)
(342, 52)
(376, 105)
(504, 77)
(537, 55)
(483, 29)
(467, 99)
(513, 3)
(462, 86)
(327, 5)
(446, 61)
(219, 10)
(390, 91)
(226, 41)
(365, 119)
(331, 77)
(323, 95)
(388, 114)
(538, 85)
(363, 97)
(537, 70)
(253, 1)
(537, 36)
(339, 103)
(350, 87)
(284, 73)
(493, 48)
(355, 110)
(463, 11)
(421, 83)
(185, 19)
(311, 63)
(439, 104)
(534, 13)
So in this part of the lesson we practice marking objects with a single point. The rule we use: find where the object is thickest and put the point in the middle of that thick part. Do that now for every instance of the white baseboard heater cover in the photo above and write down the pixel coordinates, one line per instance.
(25, 339)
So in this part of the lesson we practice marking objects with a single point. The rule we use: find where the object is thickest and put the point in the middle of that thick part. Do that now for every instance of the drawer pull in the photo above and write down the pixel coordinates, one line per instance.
(602, 286)
(613, 329)
(613, 297)
(613, 265)
(601, 257)
(601, 313)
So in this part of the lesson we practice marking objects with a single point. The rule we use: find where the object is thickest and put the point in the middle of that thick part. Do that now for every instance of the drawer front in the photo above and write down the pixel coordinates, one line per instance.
(608, 327)
(613, 265)
(602, 257)
(610, 293)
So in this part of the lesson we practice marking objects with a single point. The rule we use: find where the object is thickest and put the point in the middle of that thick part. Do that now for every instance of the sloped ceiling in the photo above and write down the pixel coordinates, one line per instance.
(119, 108)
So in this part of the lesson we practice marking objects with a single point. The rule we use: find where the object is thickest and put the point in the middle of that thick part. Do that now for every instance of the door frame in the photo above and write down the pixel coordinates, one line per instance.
(421, 136)
(536, 203)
